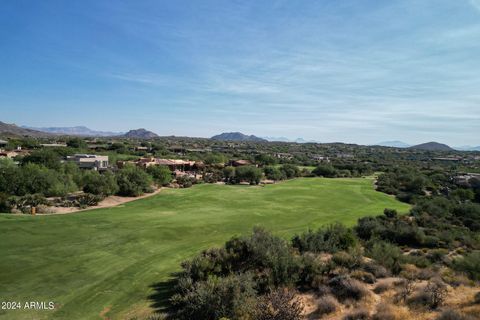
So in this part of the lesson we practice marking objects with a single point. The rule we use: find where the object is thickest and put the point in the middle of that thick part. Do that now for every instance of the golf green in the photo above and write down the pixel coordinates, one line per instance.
(104, 263)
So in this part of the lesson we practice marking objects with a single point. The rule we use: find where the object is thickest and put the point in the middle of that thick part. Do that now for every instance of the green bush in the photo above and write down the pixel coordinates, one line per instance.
(230, 297)
(100, 184)
(387, 255)
(133, 181)
(250, 174)
(290, 171)
(274, 173)
(333, 238)
(327, 171)
(469, 264)
(161, 174)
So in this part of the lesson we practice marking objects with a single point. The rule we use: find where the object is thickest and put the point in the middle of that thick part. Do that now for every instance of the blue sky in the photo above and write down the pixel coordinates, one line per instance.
(352, 71)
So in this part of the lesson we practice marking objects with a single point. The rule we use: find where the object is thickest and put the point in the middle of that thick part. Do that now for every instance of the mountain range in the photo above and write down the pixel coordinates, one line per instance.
(75, 131)
(12, 130)
(393, 144)
(237, 136)
(284, 139)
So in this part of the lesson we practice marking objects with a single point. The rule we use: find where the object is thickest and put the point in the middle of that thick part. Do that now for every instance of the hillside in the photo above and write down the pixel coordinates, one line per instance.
(140, 134)
(432, 146)
(237, 136)
(12, 130)
(75, 131)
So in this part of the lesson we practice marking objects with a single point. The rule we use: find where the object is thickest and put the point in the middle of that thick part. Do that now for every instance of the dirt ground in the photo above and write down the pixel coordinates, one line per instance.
(110, 201)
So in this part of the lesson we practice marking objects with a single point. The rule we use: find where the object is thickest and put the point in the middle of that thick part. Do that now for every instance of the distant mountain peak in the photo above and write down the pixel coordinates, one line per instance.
(76, 131)
(393, 144)
(237, 136)
(140, 134)
(7, 129)
(432, 146)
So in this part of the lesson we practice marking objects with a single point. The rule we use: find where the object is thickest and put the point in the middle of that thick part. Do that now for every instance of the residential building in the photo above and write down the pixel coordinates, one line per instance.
(90, 161)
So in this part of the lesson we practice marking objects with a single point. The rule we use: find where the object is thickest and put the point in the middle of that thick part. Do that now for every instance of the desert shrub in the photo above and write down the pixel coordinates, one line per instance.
(333, 238)
(155, 316)
(359, 314)
(476, 298)
(230, 297)
(44, 209)
(344, 287)
(186, 181)
(433, 295)
(326, 304)
(377, 270)
(87, 200)
(311, 270)
(381, 287)
(322, 290)
(343, 259)
(385, 312)
(213, 176)
(281, 304)
(469, 264)
(263, 251)
(437, 255)
(363, 276)
(29, 201)
(452, 315)
(406, 288)
(386, 254)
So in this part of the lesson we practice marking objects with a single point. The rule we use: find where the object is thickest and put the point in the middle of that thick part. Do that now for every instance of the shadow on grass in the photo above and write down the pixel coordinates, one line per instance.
(162, 293)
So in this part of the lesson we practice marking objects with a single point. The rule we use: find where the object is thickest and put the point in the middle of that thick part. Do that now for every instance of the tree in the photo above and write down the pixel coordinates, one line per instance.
(290, 171)
(463, 195)
(265, 159)
(250, 174)
(133, 181)
(273, 173)
(214, 158)
(326, 171)
(76, 143)
(45, 157)
(229, 174)
(390, 213)
(100, 184)
(161, 174)
(33, 178)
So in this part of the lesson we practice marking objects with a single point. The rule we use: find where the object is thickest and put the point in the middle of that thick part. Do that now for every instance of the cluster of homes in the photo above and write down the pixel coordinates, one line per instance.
(465, 179)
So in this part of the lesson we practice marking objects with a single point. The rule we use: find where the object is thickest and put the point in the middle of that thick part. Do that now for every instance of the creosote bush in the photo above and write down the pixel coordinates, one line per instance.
(346, 288)
(359, 314)
(326, 304)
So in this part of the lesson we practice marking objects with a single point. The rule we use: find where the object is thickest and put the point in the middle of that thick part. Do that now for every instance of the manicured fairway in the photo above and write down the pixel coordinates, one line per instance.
(101, 263)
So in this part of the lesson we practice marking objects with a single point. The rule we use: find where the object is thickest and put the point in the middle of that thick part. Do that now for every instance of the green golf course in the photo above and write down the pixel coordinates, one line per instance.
(103, 263)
